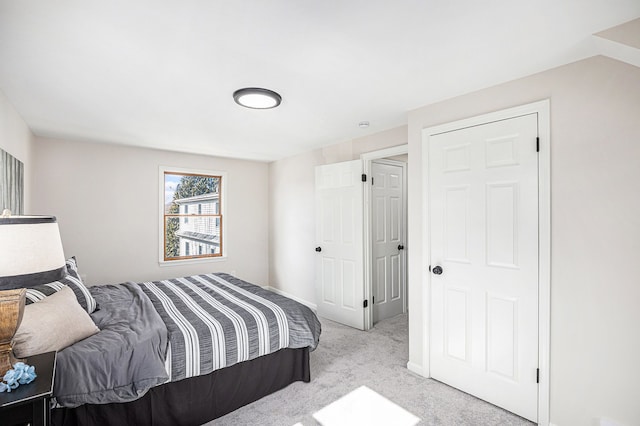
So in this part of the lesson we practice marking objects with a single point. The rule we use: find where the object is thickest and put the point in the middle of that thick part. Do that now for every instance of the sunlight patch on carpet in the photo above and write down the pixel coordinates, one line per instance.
(364, 407)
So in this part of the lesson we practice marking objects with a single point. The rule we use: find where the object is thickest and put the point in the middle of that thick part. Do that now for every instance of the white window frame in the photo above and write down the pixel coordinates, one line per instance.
(223, 213)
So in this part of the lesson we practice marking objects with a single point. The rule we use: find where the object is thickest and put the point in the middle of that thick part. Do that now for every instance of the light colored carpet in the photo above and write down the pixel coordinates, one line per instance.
(347, 359)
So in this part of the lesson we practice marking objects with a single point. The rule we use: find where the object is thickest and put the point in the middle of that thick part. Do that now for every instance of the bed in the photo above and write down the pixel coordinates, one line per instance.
(182, 351)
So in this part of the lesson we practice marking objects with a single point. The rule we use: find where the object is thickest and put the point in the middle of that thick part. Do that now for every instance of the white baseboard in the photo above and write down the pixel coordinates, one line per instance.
(310, 305)
(601, 421)
(605, 421)
(412, 366)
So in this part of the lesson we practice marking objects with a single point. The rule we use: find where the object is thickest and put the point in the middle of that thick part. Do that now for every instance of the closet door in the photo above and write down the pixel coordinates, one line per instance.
(483, 195)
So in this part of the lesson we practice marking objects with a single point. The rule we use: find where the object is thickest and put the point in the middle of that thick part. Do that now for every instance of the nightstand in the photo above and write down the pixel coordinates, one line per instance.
(30, 403)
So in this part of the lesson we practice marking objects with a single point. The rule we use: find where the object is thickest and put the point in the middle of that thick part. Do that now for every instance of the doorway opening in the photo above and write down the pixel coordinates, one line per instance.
(385, 233)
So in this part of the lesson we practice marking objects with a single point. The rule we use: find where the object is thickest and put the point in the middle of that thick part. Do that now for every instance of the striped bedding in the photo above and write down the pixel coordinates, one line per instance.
(155, 332)
(71, 279)
(217, 320)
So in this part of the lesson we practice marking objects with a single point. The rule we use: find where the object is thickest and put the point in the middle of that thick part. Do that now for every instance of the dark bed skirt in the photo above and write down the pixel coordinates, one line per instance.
(197, 400)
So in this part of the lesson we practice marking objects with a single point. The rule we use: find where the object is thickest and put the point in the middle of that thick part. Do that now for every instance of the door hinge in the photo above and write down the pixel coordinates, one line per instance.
(365, 304)
(364, 177)
(429, 268)
(537, 144)
(371, 180)
(373, 300)
(537, 375)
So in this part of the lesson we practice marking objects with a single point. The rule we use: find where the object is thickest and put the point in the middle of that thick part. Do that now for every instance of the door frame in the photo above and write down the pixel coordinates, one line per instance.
(542, 109)
(367, 158)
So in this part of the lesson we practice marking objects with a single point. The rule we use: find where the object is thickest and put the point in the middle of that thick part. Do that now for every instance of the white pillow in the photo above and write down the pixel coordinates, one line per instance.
(52, 324)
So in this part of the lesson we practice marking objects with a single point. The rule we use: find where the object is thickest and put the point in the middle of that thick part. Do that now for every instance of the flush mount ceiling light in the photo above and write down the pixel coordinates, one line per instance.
(363, 124)
(257, 98)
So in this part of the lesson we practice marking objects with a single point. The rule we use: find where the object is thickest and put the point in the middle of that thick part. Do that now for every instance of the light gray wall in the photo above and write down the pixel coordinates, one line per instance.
(595, 220)
(16, 139)
(292, 209)
(106, 199)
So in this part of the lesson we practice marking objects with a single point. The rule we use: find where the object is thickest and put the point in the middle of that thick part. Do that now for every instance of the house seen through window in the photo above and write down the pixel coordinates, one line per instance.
(192, 216)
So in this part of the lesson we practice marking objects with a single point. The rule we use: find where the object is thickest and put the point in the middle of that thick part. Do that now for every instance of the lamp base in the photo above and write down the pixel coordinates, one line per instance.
(6, 358)
(11, 310)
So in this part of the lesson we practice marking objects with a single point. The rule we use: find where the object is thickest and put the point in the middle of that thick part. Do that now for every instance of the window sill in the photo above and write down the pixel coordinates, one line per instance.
(168, 263)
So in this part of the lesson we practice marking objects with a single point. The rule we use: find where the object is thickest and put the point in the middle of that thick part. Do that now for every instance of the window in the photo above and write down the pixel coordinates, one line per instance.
(197, 235)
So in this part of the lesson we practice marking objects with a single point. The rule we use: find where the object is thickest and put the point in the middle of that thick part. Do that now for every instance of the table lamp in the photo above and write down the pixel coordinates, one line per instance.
(30, 254)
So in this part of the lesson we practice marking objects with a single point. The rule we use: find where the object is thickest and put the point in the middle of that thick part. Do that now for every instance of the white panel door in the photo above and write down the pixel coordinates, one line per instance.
(387, 245)
(339, 257)
(484, 257)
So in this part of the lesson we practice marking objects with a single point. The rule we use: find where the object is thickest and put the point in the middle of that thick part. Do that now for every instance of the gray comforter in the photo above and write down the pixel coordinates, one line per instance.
(123, 360)
(154, 332)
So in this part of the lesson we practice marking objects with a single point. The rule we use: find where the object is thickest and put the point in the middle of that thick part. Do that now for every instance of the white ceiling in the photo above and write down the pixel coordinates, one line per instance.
(161, 73)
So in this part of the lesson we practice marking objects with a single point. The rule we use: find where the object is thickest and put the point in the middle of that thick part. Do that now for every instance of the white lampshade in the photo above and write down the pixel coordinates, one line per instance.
(30, 251)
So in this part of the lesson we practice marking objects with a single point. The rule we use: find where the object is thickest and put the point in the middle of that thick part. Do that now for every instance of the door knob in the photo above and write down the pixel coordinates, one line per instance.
(400, 247)
(318, 249)
(437, 270)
